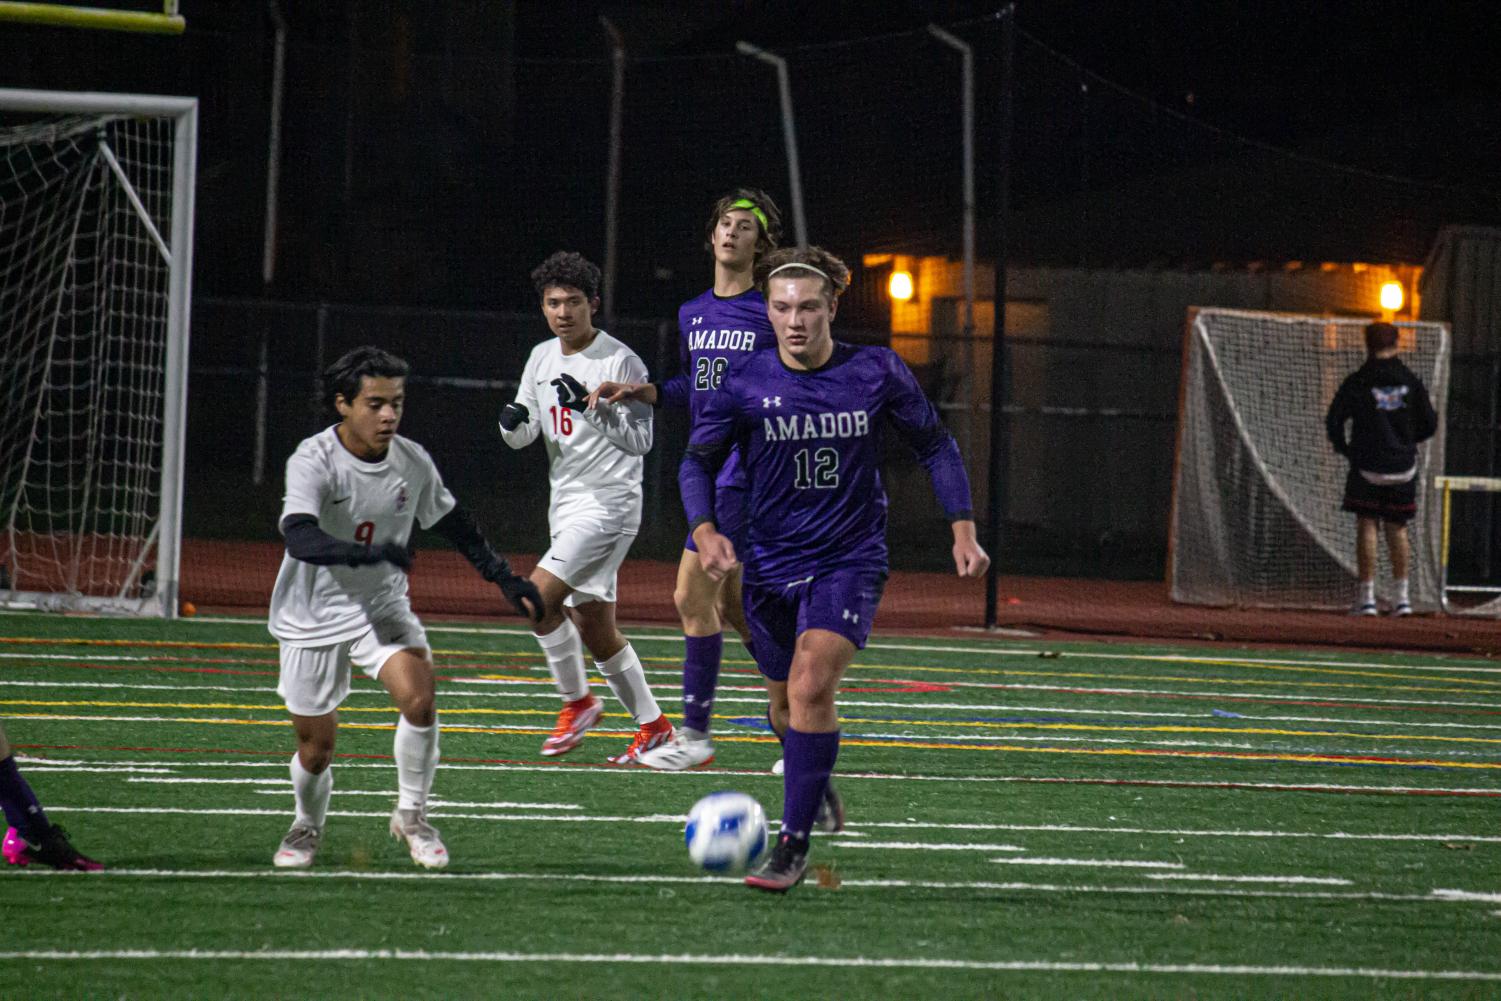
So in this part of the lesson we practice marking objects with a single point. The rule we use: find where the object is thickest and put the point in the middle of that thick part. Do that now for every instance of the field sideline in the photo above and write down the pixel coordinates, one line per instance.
(1028, 818)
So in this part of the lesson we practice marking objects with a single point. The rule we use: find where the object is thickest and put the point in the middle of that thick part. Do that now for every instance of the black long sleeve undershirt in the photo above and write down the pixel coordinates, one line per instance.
(311, 544)
(462, 531)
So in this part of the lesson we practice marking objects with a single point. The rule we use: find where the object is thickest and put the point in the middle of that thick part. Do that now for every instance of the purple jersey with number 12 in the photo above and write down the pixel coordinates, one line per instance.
(810, 442)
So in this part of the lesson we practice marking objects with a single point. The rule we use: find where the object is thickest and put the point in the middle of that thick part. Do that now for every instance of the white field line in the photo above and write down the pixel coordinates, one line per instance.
(929, 846)
(1279, 745)
(548, 698)
(644, 635)
(547, 685)
(603, 769)
(650, 818)
(437, 804)
(1468, 895)
(671, 879)
(1087, 863)
(1218, 878)
(854, 826)
(741, 959)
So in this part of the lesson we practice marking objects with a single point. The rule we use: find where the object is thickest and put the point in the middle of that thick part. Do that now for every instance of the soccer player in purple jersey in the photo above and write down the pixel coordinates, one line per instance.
(807, 419)
(724, 323)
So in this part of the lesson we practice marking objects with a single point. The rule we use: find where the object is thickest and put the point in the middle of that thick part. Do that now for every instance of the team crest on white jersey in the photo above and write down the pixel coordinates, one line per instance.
(401, 498)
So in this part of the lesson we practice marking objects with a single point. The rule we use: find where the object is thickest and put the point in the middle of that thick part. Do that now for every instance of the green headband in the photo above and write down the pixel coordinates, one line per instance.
(755, 210)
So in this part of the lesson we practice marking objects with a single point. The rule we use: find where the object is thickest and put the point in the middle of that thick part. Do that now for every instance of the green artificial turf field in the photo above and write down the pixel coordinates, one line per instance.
(1027, 819)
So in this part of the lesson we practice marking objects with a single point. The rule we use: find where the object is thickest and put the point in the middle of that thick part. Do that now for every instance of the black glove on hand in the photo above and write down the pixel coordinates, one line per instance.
(515, 588)
(571, 392)
(388, 552)
(513, 415)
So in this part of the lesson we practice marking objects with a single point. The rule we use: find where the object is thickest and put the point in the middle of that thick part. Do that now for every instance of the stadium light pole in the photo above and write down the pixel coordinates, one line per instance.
(967, 116)
(789, 134)
(268, 237)
(612, 182)
(999, 453)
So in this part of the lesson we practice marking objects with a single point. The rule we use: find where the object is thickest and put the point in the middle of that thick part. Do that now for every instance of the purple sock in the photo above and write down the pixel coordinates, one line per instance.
(808, 762)
(700, 677)
(22, 811)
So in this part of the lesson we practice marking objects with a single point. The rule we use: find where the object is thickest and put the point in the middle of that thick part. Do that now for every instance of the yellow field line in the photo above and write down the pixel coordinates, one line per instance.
(450, 712)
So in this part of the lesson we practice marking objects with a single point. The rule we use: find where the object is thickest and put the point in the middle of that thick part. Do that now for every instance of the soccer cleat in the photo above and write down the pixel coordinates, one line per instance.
(573, 722)
(1365, 608)
(14, 848)
(784, 867)
(653, 734)
(680, 754)
(421, 837)
(777, 768)
(830, 811)
(298, 847)
(53, 849)
(1403, 608)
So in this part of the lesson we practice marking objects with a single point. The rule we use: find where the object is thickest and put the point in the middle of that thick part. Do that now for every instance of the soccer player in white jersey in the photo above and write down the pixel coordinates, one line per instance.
(594, 461)
(340, 600)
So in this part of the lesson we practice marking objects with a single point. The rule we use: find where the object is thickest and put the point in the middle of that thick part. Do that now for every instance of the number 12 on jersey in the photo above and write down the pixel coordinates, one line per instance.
(818, 469)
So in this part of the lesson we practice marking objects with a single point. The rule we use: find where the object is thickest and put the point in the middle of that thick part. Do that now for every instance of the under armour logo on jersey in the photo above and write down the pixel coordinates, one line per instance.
(851, 616)
(771, 401)
(696, 321)
(1389, 397)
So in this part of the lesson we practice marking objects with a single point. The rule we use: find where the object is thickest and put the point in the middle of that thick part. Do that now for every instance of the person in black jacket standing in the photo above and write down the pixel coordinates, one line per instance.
(1389, 412)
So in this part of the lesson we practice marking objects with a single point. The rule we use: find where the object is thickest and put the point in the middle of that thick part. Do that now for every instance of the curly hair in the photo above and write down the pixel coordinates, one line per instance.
(345, 376)
(760, 206)
(812, 262)
(569, 270)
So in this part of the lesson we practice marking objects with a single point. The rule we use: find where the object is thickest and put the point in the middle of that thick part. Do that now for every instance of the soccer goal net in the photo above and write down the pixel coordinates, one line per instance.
(1256, 518)
(96, 216)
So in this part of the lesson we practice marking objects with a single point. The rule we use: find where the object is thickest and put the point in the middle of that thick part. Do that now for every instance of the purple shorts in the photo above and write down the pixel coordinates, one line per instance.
(730, 501)
(841, 601)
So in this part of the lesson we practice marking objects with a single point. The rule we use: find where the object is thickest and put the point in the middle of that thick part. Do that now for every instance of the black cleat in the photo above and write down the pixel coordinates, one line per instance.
(830, 811)
(783, 869)
(56, 850)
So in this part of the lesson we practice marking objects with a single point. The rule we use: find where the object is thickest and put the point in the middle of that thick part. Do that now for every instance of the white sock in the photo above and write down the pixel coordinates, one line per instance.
(416, 752)
(311, 792)
(628, 681)
(1368, 592)
(564, 650)
(1401, 584)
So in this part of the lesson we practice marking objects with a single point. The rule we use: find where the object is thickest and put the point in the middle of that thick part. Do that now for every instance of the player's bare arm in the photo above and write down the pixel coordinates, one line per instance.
(616, 392)
(970, 559)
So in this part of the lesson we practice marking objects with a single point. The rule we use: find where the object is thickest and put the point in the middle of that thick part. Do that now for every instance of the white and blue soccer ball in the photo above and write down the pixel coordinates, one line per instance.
(726, 832)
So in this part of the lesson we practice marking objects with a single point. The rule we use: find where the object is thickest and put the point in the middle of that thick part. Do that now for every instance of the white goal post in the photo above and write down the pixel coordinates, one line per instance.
(1257, 489)
(96, 261)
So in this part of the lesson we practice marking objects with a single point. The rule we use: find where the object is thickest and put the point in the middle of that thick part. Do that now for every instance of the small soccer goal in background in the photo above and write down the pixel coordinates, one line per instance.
(1257, 488)
(96, 222)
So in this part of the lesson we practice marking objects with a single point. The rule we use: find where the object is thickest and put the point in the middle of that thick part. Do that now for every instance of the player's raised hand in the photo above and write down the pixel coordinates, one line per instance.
(571, 392)
(512, 416)
(614, 392)
(716, 553)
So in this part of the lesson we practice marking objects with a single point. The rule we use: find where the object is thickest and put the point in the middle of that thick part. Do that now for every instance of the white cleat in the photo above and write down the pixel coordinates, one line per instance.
(1403, 608)
(298, 847)
(679, 754)
(776, 769)
(421, 837)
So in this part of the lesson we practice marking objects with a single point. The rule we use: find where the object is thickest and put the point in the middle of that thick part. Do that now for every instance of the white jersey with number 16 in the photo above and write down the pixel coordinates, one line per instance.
(594, 457)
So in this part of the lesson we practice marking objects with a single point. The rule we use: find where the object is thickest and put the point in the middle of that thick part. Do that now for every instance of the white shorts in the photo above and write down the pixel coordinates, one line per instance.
(315, 679)
(587, 560)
